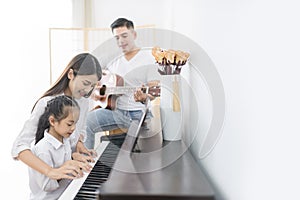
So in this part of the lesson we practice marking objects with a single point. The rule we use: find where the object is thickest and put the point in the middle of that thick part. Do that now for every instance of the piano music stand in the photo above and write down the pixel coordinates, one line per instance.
(130, 142)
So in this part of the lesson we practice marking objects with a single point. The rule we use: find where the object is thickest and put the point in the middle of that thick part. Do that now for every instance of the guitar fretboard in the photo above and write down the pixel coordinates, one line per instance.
(154, 91)
(123, 90)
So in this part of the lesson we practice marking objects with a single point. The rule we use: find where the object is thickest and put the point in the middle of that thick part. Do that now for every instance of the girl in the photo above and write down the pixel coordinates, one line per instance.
(77, 80)
(52, 145)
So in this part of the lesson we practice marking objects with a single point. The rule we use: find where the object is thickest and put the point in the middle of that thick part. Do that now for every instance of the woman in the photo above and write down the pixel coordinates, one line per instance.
(77, 80)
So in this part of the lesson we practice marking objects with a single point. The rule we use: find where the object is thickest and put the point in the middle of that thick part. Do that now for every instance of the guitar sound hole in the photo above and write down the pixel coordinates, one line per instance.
(143, 90)
(102, 90)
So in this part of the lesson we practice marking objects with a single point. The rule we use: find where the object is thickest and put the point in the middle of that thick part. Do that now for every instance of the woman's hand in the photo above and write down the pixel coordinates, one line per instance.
(80, 148)
(71, 169)
(82, 157)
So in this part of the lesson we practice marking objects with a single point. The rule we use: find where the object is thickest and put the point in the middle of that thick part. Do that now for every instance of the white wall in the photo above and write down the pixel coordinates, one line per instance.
(140, 12)
(254, 45)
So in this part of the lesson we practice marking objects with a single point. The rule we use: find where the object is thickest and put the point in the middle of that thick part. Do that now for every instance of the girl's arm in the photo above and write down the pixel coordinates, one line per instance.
(70, 169)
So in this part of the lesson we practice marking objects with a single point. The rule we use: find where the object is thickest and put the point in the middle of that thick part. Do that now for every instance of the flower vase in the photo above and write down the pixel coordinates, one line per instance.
(171, 107)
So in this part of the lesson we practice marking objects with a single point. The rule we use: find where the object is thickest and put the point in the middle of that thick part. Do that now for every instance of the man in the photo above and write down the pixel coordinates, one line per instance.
(132, 67)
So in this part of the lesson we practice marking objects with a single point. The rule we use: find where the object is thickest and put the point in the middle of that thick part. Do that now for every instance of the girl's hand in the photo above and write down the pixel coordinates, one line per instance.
(71, 169)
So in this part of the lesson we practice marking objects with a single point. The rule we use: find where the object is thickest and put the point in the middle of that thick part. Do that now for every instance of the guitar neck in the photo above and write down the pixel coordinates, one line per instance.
(154, 91)
(123, 90)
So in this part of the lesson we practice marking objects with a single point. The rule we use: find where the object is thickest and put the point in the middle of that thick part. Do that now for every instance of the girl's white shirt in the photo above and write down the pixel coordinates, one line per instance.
(27, 136)
(54, 153)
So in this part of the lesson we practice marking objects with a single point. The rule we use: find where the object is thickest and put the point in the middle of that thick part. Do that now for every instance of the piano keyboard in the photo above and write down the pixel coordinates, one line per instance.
(88, 186)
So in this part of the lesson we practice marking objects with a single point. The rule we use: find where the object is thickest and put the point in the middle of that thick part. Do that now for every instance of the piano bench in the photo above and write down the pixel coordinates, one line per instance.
(116, 131)
(117, 139)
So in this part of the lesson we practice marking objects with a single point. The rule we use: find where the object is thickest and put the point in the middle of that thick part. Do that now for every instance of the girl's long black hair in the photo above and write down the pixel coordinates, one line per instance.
(59, 107)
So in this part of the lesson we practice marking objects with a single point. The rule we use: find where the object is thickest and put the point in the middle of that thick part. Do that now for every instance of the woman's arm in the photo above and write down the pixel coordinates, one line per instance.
(27, 135)
(34, 162)
(70, 169)
(81, 129)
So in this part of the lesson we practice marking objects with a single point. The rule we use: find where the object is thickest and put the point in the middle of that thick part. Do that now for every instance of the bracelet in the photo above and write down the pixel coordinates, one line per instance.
(80, 140)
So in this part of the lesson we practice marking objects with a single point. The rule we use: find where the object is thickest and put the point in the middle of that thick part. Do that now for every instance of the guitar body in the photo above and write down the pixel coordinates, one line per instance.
(105, 100)
(112, 86)
(111, 102)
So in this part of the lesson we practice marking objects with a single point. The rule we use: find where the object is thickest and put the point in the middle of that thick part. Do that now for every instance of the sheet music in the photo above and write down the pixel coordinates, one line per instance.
(76, 184)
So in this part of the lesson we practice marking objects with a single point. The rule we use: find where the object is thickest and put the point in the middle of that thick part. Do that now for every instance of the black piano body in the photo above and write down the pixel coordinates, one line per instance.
(172, 175)
(158, 170)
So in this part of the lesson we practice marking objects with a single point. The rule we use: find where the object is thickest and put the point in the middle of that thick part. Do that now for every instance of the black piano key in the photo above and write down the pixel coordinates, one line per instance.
(100, 172)
(86, 196)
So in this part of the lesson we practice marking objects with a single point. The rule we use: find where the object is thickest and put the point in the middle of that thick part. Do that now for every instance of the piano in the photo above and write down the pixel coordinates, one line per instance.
(87, 187)
(140, 165)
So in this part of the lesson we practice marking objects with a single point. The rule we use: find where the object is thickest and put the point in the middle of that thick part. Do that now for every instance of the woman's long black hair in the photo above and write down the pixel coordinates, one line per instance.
(81, 64)
(57, 107)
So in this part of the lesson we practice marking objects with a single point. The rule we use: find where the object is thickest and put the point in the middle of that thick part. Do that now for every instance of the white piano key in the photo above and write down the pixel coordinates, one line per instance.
(76, 184)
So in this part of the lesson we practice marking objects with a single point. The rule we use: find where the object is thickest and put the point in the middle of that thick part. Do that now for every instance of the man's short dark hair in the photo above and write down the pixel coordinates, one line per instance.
(120, 22)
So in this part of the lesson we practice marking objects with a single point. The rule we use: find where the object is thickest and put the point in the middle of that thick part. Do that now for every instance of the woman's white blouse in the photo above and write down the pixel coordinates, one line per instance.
(27, 135)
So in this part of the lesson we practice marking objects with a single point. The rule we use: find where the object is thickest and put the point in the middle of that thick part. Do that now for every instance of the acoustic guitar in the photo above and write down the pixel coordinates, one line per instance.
(112, 86)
